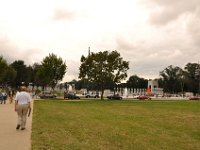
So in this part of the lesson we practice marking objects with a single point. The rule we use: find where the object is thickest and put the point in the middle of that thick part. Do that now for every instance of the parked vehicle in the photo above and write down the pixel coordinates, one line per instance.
(71, 96)
(114, 96)
(144, 97)
(194, 98)
(47, 94)
(92, 95)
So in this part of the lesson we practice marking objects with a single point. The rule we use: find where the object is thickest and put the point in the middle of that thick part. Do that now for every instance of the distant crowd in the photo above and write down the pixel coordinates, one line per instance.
(10, 95)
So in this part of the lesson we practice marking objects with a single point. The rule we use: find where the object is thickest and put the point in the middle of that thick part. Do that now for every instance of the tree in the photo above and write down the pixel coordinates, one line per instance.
(103, 67)
(3, 65)
(22, 75)
(35, 79)
(81, 84)
(171, 79)
(136, 82)
(52, 70)
(40, 78)
(190, 79)
(182, 81)
(7, 73)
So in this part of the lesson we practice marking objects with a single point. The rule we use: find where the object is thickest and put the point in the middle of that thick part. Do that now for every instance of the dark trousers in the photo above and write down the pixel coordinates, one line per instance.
(3, 101)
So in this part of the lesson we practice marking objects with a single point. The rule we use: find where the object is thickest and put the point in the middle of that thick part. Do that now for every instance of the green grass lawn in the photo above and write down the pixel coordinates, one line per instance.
(116, 125)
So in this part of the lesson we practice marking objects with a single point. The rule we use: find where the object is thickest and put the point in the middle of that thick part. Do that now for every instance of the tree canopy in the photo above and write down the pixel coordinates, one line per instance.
(171, 76)
(136, 82)
(7, 73)
(192, 82)
(52, 70)
(174, 79)
(98, 71)
(103, 67)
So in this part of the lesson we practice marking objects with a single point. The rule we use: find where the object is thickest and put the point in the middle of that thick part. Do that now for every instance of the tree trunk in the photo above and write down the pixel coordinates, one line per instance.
(102, 92)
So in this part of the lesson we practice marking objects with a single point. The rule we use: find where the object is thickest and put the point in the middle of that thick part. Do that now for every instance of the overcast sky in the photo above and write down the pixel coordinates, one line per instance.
(150, 34)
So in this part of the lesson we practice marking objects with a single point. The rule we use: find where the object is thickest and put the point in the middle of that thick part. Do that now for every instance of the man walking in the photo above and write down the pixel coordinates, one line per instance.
(22, 105)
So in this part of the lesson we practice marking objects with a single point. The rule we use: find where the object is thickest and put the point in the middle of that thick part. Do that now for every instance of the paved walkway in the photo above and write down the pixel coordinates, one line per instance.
(10, 138)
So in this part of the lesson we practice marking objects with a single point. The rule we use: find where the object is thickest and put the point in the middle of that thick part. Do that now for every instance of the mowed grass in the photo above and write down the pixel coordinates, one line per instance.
(116, 125)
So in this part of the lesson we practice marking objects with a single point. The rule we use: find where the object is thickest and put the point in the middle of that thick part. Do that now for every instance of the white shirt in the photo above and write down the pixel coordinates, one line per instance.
(16, 95)
(23, 98)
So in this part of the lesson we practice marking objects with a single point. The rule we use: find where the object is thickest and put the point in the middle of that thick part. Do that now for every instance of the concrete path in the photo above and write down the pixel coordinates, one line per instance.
(10, 138)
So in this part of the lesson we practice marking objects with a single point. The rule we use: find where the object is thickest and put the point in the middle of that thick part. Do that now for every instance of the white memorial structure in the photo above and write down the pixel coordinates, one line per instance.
(152, 89)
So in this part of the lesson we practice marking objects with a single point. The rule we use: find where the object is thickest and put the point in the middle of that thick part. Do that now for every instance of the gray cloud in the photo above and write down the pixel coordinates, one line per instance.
(11, 52)
(8, 50)
(175, 38)
(165, 11)
(148, 57)
(123, 43)
(62, 14)
(72, 70)
(170, 37)
(194, 29)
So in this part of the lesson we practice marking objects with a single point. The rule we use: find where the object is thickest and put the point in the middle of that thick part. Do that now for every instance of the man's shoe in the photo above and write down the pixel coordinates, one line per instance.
(23, 128)
(18, 126)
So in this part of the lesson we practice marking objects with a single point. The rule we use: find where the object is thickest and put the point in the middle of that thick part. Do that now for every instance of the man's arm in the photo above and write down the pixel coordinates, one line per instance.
(29, 105)
(29, 109)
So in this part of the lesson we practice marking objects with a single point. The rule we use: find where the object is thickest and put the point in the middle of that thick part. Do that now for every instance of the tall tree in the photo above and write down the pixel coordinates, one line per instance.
(103, 67)
(41, 79)
(35, 79)
(52, 70)
(190, 78)
(9, 76)
(7, 73)
(136, 82)
(3, 66)
(81, 84)
(171, 79)
(22, 75)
